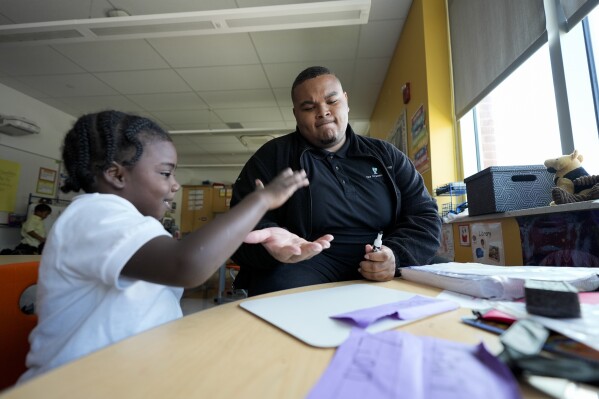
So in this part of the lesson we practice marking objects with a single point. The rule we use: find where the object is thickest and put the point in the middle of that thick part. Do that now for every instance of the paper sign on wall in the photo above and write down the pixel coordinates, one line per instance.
(9, 181)
(487, 243)
(446, 249)
(464, 230)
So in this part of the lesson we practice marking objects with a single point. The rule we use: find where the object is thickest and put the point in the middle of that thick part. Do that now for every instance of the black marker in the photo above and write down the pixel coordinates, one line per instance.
(378, 242)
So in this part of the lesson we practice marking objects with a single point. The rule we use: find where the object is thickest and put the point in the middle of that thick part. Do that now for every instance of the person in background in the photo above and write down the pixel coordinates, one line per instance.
(359, 186)
(109, 268)
(33, 231)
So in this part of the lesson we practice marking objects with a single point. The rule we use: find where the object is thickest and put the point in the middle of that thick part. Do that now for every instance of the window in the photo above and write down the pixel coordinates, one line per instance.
(517, 123)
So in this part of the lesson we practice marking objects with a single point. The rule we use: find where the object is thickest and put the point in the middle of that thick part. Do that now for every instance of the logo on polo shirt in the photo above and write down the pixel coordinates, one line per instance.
(375, 173)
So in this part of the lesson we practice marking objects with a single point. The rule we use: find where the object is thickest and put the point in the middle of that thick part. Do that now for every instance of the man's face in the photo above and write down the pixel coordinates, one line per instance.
(321, 112)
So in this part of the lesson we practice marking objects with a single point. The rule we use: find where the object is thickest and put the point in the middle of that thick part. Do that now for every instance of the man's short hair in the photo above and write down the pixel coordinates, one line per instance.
(42, 208)
(309, 73)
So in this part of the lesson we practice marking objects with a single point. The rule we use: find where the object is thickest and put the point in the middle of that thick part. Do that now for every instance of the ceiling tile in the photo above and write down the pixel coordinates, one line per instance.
(379, 38)
(307, 45)
(239, 98)
(168, 101)
(100, 103)
(121, 55)
(370, 71)
(35, 60)
(68, 85)
(224, 144)
(225, 78)
(137, 82)
(283, 74)
(177, 125)
(283, 97)
(389, 9)
(42, 10)
(209, 50)
(60, 105)
(243, 78)
(242, 115)
(280, 126)
(23, 88)
(187, 116)
(186, 146)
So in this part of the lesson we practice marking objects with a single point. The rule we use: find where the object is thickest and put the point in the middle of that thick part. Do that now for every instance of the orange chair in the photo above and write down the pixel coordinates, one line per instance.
(15, 325)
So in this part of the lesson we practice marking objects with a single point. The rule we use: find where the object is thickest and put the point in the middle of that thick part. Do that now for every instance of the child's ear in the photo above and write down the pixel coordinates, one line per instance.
(114, 175)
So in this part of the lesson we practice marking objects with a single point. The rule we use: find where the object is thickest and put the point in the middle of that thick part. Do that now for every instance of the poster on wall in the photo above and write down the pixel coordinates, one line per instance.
(419, 147)
(46, 181)
(9, 181)
(464, 230)
(446, 249)
(399, 135)
(487, 243)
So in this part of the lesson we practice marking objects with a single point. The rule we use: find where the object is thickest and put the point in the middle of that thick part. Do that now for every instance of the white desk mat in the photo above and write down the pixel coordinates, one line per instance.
(306, 315)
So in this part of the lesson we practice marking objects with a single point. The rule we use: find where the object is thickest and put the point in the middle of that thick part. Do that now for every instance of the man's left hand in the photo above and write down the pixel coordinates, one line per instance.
(378, 266)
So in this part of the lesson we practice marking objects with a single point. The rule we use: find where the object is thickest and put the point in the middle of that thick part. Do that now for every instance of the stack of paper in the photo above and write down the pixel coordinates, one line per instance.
(497, 282)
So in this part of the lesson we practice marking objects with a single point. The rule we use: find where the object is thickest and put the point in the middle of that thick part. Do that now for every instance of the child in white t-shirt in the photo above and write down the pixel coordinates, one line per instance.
(109, 268)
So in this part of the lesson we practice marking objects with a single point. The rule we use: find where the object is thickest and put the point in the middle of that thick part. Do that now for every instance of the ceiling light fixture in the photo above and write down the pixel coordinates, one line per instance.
(236, 20)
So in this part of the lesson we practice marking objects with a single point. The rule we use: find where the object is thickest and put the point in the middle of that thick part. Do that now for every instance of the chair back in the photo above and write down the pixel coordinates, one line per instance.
(15, 325)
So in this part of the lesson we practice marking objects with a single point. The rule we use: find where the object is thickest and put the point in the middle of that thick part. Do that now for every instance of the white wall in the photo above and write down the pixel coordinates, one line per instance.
(31, 151)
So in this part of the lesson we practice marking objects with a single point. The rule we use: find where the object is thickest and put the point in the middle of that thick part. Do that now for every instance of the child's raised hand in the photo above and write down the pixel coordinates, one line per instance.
(283, 186)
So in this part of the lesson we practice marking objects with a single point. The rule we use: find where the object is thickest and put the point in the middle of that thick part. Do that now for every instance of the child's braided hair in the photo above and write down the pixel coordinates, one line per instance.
(97, 140)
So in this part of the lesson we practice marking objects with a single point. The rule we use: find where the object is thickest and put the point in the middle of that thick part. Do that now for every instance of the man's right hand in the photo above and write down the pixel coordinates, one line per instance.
(287, 247)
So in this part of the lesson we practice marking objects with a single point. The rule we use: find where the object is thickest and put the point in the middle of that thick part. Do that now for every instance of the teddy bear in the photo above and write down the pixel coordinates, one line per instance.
(567, 169)
(561, 196)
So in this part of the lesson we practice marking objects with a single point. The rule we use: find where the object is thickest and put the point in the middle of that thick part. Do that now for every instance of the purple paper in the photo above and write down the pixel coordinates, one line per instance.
(413, 308)
(395, 364)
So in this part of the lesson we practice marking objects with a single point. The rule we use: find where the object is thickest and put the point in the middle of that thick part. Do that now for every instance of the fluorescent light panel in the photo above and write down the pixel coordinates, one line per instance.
(251, 19)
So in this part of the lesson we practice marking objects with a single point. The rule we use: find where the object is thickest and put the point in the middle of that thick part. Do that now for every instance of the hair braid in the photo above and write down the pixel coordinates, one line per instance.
(107, 122)
(97, 140)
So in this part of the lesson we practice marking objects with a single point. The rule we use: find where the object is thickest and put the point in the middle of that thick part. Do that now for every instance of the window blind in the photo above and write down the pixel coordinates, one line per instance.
(576, 10)
(489, 40)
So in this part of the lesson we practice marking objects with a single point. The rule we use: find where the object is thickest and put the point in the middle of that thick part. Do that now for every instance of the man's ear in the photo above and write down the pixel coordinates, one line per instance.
(115, 175)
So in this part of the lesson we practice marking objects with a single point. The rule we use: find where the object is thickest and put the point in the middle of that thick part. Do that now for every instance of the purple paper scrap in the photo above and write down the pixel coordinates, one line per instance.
(413, 308)
(395, 364)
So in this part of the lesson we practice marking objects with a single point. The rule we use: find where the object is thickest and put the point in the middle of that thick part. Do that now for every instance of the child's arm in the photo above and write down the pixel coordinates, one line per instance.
(38, 237)
(192, 260)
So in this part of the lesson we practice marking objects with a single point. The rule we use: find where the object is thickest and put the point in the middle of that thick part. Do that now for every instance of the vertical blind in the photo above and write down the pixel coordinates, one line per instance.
(489, 39)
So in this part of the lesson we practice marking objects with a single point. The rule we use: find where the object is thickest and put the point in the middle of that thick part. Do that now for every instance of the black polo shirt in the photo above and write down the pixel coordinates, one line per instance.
(350, 198)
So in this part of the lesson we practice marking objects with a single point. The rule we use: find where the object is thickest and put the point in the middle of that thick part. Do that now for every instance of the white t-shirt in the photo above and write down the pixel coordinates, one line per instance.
(83, 303)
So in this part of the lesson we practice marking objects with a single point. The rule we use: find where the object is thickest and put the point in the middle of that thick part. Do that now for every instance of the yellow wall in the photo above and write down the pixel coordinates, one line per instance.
(422, 59)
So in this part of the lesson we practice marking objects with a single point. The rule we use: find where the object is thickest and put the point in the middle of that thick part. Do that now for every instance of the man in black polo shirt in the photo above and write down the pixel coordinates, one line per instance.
(359, 186)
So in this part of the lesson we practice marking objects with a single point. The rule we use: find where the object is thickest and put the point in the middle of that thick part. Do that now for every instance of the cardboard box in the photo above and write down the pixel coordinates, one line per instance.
(508, 188)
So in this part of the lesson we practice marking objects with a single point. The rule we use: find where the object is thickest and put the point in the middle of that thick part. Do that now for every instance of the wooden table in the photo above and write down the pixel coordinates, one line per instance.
(223, 352)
